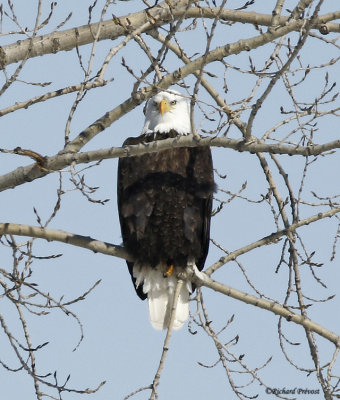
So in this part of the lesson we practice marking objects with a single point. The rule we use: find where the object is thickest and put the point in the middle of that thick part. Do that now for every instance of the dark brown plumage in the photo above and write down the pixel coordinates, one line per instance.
(165, 204)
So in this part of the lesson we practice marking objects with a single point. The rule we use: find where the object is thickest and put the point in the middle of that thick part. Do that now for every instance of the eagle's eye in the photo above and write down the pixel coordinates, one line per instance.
(155, 104)
(173, 102)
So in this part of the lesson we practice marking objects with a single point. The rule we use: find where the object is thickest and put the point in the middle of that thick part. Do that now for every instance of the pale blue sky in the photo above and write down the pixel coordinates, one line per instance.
(120, 345)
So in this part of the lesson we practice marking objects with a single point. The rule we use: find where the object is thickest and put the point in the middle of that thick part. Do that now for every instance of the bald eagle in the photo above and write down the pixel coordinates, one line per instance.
(164, 203)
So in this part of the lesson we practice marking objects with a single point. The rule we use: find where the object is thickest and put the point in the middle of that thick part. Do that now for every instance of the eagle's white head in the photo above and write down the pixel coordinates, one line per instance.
(166, 111)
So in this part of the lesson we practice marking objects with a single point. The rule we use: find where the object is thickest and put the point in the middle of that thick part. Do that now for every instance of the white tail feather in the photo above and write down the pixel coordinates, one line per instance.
(160, 293)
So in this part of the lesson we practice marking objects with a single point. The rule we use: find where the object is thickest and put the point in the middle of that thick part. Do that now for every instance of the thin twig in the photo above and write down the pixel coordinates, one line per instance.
(167, 340)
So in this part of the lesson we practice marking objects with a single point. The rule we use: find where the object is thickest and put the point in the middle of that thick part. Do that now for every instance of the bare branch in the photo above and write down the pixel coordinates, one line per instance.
(160, 15)
(70, 238)
(202, 279)
(55, 163)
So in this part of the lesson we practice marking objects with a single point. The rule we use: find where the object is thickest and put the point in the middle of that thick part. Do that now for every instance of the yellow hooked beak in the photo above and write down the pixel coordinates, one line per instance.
(164, 107)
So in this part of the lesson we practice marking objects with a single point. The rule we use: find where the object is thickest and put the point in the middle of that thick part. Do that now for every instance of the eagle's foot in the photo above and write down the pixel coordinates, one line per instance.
(169, 271)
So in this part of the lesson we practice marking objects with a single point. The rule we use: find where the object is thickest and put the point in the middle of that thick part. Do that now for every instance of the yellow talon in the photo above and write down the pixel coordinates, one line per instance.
(169, 271)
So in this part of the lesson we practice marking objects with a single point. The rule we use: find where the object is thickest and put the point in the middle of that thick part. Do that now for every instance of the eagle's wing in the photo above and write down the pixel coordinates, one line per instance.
(127, 206)
(203, 173)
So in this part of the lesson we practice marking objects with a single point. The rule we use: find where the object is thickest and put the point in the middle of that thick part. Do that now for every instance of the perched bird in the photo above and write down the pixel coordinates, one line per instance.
(164, 203)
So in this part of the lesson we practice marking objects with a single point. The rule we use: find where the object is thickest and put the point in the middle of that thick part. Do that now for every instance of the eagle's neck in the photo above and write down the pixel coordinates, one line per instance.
(151, 136)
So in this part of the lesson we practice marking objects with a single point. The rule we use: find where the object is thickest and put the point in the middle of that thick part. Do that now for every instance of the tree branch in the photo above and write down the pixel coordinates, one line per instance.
(199, 278)
(59, 161)
(98, 246)
(202, 279)
(159, 15)
(86, 242)
(68, 39)
(166, 344)
(29, 173)
(270, 239)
